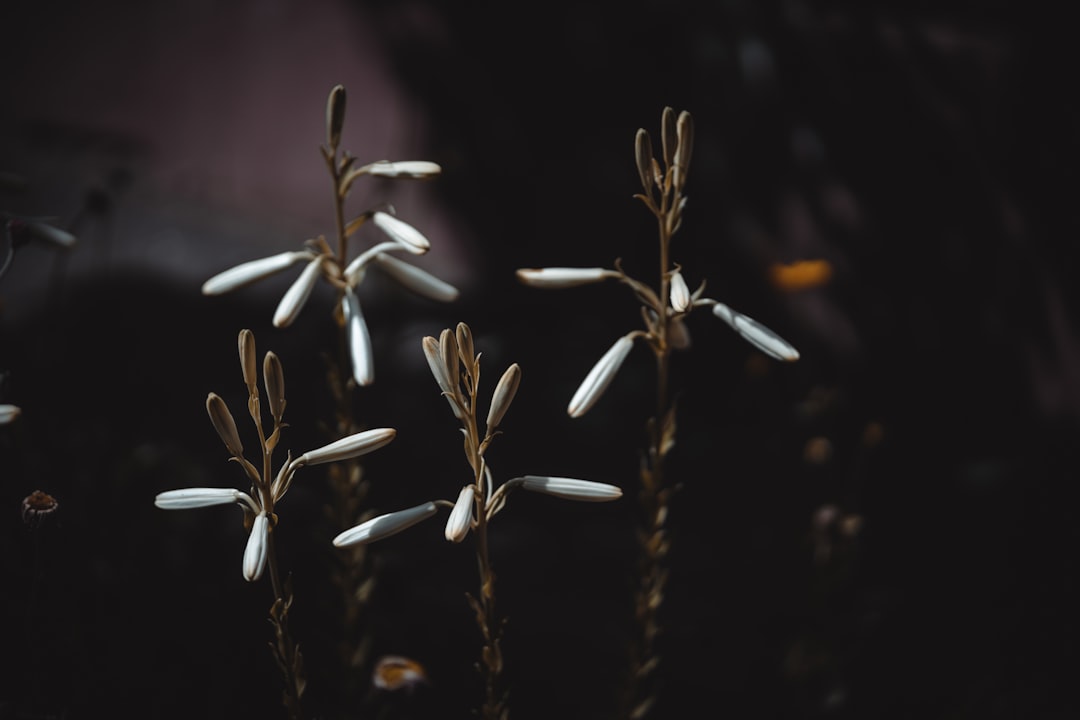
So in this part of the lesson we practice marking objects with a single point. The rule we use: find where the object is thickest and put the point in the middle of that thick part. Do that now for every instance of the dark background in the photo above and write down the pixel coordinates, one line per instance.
(925, 150)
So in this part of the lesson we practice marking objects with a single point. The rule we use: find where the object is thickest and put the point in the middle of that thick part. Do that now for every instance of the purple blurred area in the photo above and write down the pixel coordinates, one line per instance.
(880, 530)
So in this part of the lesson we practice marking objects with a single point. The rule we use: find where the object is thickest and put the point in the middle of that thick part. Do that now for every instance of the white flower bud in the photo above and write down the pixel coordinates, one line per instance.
(352, 446)
(385, 525)
(571, 489)
(359, 340)
(680, 293)
(251, 271)
(411, 169)
(255, 552)
(562, 277)
(293, 301)
(415, 279)
(202, 497)
(8, 413)
(460, 520)
(756, 334)
(599, 377)
(50, 233)
(402, 232)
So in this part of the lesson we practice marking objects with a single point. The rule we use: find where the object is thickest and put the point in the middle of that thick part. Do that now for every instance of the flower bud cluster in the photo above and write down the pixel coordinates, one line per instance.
(266, 491)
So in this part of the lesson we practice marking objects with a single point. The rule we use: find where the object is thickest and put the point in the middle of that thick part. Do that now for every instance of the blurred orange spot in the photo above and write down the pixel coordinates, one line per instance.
(394, 672)
(800, 275)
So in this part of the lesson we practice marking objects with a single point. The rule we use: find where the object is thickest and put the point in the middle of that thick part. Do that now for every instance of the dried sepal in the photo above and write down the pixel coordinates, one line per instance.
(224, 424)
(248, 362)
(599, 377)
(293, 301)
(684, 131)
(465, 343)
(669, 135)
(385, 525)
(503, 396)
(274, 380)
(643, 154)
(335, 116)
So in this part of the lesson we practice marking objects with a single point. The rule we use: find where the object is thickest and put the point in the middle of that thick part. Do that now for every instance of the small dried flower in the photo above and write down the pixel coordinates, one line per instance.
(460, 520)
(562, 277)
(600, 377)
(571, 489)
(37, 507)
(385, 525)
(352, 446)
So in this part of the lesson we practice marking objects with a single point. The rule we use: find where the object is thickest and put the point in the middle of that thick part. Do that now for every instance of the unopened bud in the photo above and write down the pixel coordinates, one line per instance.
(335, 116)
(224, 424)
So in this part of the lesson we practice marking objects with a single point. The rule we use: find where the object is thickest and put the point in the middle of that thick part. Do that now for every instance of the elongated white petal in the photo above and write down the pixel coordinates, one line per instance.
(460, 520)
(352, 446)
(359, 340)
(8, 413)
(413, 169)
(756, 334)
(419, 281)
(680, 293)
(202, 497)
(385, 525)
(599, 377)
(251, 271)
(571, 488)
(293, 301)
(51, 233)
(562, 277)
(255, 552)
(402, 232)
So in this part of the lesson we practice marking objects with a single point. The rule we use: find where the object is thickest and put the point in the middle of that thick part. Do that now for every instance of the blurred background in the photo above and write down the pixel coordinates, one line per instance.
(878, 530)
